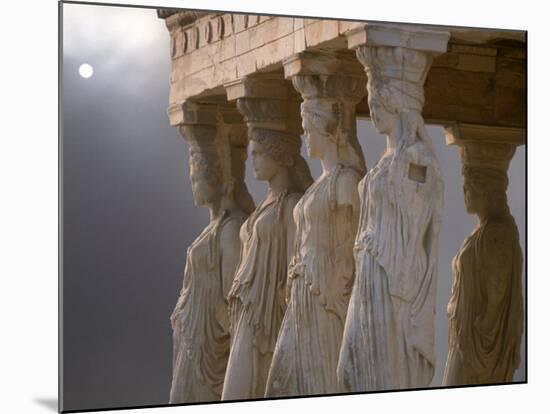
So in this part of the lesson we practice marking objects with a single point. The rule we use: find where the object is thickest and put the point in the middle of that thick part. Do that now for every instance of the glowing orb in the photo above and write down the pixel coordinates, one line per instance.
(86, 71)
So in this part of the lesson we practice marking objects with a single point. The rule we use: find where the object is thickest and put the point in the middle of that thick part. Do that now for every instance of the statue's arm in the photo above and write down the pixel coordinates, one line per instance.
(496, 252)
(346, 224)
(230, 246)
(290, 241)
(290, 225)
(408, 246)
(177, 308)
(348, 202)
(347, 193)
(419, 171)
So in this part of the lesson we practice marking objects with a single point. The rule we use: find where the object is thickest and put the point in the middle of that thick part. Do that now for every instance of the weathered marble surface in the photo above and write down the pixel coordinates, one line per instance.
(257, 296)
(480, 79)
(321, 271)
(486, 309)
(388, 341)
(200, 318)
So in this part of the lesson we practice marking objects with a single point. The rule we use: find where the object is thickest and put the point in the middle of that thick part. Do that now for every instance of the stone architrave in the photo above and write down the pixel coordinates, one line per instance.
(486, 306)
(200, 321)
(257, 305)
(321, 271)
(388, 341)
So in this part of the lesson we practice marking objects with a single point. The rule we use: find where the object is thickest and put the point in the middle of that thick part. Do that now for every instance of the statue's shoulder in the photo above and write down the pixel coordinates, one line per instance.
(497, 242)
(292, 198)
(421, 166)
(500, 230)
(348, 179)
(234, 214)
(421, 153)
(288, 203)
(346, 184)
(349, 175)
(231, 223)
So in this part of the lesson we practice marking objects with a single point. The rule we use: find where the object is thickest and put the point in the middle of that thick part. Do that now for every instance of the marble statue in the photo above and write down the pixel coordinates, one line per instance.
(257, 296)
(321, 271)
(370, 245)
(200, 319)
(388, 341)
(486, 309)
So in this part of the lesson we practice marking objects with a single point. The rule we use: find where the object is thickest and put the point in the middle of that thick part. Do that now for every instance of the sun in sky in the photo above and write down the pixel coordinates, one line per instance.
(86, 70)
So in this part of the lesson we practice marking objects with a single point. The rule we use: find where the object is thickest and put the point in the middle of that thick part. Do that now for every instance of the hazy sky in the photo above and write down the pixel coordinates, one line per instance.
(129, 214)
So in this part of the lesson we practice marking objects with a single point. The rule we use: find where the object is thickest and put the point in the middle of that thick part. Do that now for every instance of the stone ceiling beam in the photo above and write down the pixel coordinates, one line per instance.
(479, 79)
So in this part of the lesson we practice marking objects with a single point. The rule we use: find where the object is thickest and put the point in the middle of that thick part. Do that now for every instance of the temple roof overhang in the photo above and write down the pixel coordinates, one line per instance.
(479, 78)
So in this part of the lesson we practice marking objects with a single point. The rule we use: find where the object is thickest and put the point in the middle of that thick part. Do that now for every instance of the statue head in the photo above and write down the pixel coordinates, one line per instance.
(273, 151)
(206, 180)
(217, 155)
(320, 119)
(206, 165)
(485, 178)
(274, 136)
(216, 167)
(328, 115)
(331, 121)
(383, 119)
(240, 193)
(395, 83)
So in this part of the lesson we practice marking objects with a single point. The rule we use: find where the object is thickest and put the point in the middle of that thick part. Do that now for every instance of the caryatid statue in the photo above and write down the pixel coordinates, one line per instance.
(388, 341)
(321, 271)
(257, 296)
(200, 321)
(486, 307)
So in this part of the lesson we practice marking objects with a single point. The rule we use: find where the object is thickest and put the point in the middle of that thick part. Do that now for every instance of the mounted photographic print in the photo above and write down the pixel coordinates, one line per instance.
(266, 206)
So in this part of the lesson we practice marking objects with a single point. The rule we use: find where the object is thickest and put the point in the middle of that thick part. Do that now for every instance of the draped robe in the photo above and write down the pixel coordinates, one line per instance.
(388, 340)
(486, 308)
(321, 275)
(201, 328)
(257, 297)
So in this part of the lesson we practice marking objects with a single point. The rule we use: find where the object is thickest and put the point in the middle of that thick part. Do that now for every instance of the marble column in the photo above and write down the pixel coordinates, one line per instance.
(200, 321)
(485, 310)
(388, 341)
(271, 109)
(321, 271)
